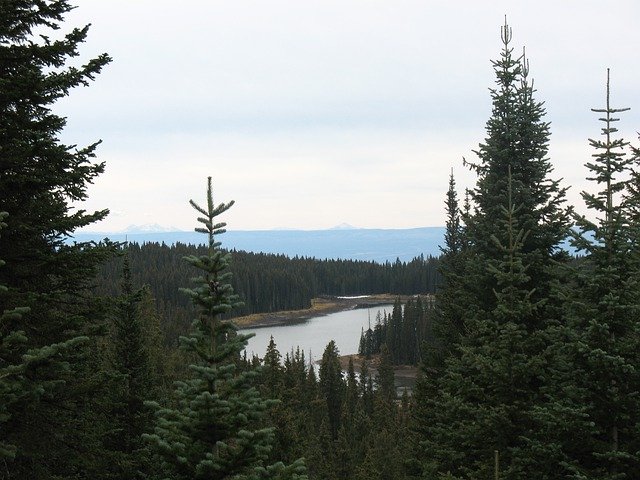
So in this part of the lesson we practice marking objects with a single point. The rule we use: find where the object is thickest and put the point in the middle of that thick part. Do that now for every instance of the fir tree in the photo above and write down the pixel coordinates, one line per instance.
(14, 383)
(517, 139)
(351, 397)
(383, 460)
(332, 386)
(272, 371)
(366, 388)
(385, 380)
(602, 336)
(214, 431)
(494, 377)
(394, 332)
(134, 381)
(20, 385)
(450, 315)
(40, 179)
(166, 363)
(491, 392)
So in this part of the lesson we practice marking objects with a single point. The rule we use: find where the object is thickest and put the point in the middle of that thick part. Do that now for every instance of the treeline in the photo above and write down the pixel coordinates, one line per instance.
(264, 282)
(405, 332)
(346, 426)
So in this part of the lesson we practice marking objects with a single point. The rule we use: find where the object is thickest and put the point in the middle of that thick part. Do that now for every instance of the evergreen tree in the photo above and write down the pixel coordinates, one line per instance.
(214, 429)
(383, 460)
(494, 378)
(332, 386)
(491, 392)
(40, 179)
(385, 380)
(362, 344)
(166, 363)
(14, 383)
(409, 335)
(453, 231)
(379, 334)
(272, 371)
(517, 140)
(366, 388)
(603, 347)
(394, 332)
(351, 397)
(450, 303)
(134, 382)
(20, 385)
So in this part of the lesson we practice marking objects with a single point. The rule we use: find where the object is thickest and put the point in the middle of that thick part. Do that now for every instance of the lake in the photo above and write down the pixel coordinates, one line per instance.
(313, 335)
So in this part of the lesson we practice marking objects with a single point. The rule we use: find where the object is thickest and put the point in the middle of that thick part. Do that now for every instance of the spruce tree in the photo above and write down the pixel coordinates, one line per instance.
(491, 391)
(14, 383)
(450, 303)
(40, 179)
(215, 428)
(11, 376)
(332, 387)
(517, 139)
(134, 382)
(603, 347)
(385, 380)
(272, 370)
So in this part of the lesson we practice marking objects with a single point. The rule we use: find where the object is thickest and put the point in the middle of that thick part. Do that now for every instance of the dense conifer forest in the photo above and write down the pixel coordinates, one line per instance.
(265, 282)
(529, 363)
(405, 332)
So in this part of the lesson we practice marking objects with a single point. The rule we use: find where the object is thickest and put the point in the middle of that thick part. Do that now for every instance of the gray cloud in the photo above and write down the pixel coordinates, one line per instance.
(316, 113)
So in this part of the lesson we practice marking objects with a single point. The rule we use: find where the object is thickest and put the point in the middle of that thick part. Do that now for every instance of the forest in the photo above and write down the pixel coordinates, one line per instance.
(529, 360)
(265, 282)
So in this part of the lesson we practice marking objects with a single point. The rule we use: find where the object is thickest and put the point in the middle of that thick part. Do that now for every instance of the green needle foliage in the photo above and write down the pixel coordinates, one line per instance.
(14, 386)
(603, 335)
(21, 388)
(215, 429)
(54, 432)
(332, 386)
(499, 277)
(517, 139)
(450, 306)
(133, 381)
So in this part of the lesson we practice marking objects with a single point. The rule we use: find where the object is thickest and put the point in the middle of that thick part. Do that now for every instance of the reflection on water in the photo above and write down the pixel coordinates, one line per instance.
(313, 335)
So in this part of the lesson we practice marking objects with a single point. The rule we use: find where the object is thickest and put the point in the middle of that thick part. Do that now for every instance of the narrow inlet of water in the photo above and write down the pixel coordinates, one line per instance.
(313, 335)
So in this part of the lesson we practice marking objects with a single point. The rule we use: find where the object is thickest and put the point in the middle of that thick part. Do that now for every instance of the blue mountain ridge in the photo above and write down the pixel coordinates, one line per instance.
(379, 245)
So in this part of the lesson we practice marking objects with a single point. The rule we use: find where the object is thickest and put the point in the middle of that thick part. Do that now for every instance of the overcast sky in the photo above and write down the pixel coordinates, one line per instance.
(314, 113)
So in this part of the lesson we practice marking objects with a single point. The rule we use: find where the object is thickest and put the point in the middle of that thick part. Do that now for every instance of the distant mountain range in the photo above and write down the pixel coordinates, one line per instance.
(344, 242)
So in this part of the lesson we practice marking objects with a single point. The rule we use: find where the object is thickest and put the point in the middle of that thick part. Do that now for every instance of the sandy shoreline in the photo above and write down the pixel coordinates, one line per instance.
(319, 306)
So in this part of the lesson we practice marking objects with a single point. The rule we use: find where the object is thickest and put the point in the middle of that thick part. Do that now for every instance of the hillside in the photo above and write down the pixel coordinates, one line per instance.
(378, 245)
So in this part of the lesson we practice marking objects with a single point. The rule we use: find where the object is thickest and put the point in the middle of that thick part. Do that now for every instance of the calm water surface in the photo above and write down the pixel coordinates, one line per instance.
(313, 335)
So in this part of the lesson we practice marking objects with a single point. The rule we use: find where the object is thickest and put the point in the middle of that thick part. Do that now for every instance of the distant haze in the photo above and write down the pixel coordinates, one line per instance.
(380, 245)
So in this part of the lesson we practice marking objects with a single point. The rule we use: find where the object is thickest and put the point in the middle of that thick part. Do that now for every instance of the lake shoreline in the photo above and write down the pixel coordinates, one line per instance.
(320, 306)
